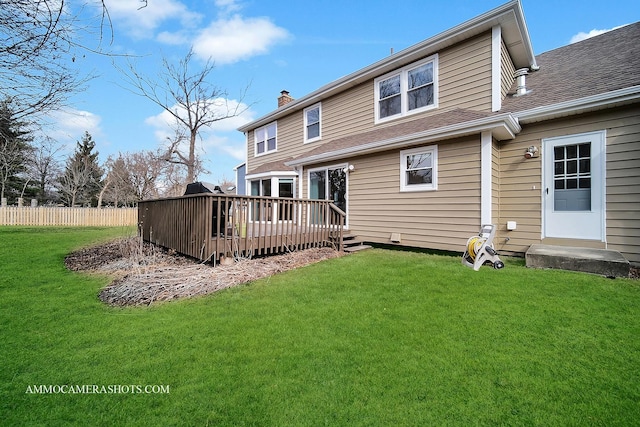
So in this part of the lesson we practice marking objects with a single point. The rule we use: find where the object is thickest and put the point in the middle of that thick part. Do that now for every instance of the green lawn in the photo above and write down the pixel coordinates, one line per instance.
(375, 338)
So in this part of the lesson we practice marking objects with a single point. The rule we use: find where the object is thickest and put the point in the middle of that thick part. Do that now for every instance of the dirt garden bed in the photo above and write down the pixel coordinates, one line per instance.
(145, 274)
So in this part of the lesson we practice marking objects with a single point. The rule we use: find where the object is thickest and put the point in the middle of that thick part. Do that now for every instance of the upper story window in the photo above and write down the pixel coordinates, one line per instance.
(312, 120)
(419, 169)
(265, 138)
(408, 90)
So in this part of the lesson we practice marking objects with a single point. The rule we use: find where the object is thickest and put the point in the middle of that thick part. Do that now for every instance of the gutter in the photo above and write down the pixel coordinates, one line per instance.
(575, 106)
(504, 126)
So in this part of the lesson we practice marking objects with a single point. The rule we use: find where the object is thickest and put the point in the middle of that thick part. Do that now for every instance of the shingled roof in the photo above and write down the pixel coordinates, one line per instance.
(278, 165)
(407, 128)
(601, 64)
(446, 125)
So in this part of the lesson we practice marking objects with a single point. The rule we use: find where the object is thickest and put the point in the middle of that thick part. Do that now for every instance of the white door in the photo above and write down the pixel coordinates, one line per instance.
(573, 192)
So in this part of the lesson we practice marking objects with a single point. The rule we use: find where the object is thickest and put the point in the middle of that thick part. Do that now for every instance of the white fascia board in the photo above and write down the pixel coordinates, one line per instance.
(594, 102)
(503, 127)
(271, 174)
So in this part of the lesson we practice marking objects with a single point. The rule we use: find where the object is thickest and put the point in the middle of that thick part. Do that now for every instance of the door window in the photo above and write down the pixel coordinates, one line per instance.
(572, 177)
(329, 184)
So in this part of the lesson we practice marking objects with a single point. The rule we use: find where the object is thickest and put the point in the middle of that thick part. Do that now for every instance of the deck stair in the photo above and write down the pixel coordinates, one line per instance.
(350, 243)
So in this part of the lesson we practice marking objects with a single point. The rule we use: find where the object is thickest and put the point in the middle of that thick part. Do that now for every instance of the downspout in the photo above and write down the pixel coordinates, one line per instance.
(486, 177)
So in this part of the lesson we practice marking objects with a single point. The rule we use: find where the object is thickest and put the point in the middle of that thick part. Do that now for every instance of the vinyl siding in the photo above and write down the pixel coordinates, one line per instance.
(623, 185)
(465, 75)
(464, 82)
(521, 202)
(442, 219)
(349, 113)
(507, 71)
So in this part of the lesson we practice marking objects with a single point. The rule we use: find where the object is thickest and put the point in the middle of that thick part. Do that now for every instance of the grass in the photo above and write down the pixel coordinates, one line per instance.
(375, 338)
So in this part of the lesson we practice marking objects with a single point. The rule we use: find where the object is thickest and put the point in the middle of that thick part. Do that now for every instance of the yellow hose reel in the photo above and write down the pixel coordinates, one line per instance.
(479, 249)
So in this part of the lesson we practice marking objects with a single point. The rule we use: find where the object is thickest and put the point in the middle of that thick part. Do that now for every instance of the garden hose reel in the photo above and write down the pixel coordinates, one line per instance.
(479, 249)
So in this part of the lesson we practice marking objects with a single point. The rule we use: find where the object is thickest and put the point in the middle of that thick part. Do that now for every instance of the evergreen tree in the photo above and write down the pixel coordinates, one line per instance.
(14, 153)
(82, 180)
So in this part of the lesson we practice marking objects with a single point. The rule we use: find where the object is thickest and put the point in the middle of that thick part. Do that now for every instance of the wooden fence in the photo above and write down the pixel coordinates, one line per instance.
(89, 217)
(210, 226)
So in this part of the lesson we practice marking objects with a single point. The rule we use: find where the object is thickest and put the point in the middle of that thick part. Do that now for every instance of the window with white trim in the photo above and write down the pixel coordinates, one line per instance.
(312, 123)
(409, 90)
(419, 169)
(265, 139)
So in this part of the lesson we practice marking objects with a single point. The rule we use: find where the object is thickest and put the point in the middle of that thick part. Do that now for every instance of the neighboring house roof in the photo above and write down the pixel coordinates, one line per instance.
(509, 16)
(605, 64)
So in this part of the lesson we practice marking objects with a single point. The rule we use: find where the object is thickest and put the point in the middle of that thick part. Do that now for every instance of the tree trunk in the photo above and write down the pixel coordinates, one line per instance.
(191, 167)
(104, 188)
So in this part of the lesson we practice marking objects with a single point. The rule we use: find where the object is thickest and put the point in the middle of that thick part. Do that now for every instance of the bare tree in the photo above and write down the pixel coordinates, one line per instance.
(74, 181)
(39, 43)
(133, 177)
(44, 166)
(194, 103)
(173, 182)
(14, 148)
(147, 169)
(11, 162)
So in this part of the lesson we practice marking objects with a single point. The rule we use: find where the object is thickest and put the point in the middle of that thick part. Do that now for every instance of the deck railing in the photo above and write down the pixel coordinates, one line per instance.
(211, 226)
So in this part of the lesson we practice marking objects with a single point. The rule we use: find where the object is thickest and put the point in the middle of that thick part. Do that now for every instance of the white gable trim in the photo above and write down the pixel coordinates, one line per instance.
(496, 68)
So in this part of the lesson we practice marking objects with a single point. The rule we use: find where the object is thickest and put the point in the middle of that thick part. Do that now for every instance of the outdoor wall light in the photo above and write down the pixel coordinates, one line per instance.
(349, 168)
(531, 152)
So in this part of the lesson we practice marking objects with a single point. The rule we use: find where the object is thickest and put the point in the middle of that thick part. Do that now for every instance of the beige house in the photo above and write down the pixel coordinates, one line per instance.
(470, 127)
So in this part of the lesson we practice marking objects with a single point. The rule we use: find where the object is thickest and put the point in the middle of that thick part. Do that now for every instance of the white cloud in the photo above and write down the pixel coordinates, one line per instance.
(226, 145)
(141, 22)
(583, 36)
(228, 6)
(177, 38)
(218, 137)
(69, 126)
(226, 41)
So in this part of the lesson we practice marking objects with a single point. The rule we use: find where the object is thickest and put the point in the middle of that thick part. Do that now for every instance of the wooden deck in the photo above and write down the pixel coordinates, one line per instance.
(210, 226)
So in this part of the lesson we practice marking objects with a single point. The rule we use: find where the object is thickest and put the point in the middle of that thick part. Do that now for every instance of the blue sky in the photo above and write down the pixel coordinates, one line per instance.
(269, 46)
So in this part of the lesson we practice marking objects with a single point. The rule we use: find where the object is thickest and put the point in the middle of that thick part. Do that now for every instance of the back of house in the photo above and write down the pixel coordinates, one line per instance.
(466, 128)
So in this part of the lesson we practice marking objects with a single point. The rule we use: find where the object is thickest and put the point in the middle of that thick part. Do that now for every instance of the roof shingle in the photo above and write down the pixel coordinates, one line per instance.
(597, 65)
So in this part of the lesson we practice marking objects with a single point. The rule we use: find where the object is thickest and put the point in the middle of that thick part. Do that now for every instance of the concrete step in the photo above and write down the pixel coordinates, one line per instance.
(351, 249)
(604, 262)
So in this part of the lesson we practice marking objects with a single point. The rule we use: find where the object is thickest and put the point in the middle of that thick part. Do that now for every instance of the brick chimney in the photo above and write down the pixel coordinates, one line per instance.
(284, 98)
